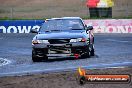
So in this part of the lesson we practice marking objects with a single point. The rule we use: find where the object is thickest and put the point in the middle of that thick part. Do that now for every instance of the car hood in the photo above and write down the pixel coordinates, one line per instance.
(61, 35)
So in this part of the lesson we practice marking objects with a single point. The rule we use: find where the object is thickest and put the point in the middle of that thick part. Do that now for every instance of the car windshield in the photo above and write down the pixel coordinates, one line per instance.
(62, 24)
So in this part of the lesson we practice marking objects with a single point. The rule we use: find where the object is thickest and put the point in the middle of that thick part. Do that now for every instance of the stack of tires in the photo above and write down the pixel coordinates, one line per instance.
(100, 8)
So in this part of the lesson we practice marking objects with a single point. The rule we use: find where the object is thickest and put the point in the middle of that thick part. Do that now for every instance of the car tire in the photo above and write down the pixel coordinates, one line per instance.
(34, 57)
(92, 51)
(87, 54)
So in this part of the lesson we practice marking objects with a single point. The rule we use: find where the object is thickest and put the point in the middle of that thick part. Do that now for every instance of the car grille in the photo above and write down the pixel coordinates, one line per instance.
(59, 41)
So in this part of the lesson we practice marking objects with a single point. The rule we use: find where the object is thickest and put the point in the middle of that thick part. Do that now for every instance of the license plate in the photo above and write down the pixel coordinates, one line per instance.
(59, 51)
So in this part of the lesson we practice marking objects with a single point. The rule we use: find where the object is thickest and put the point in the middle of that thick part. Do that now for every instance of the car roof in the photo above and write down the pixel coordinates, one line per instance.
(71, 18)
(64, 18)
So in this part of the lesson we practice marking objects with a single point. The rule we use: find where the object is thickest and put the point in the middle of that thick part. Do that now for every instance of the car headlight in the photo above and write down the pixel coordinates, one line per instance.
(39, 41)
(78, 40)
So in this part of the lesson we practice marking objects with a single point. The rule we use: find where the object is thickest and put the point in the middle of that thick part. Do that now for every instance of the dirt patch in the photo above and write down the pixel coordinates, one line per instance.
(61, 80)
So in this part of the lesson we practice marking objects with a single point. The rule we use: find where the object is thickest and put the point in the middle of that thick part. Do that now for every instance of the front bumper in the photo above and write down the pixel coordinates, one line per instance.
(60, 49)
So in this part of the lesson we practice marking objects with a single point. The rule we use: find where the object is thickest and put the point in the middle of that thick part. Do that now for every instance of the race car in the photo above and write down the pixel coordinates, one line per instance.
(63, 37)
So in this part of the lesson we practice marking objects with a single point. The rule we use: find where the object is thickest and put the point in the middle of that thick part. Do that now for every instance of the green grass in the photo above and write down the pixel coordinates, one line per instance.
(84, 17)
(42, 9)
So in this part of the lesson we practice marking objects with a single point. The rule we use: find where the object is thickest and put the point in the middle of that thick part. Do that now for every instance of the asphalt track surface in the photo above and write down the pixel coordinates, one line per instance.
(112, 50)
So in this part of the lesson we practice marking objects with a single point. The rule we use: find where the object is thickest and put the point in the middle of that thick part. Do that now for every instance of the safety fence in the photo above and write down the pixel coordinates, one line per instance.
(100, 26)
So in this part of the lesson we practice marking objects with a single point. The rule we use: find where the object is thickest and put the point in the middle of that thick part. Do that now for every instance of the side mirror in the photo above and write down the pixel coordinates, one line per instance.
(90, 28)
(34, 30)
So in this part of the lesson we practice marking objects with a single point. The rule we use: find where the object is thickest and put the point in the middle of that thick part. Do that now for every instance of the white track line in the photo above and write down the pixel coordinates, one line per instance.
(116, 67)
(113, 40)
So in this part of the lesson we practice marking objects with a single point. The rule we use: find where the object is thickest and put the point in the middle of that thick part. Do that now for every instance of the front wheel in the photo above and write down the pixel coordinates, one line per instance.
(92, 51)
(34, 57)
(87, 53)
